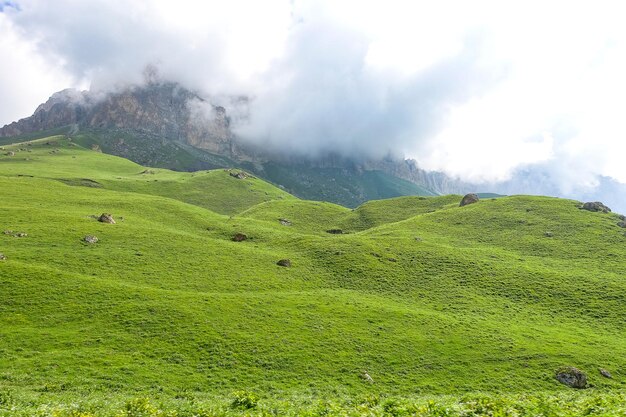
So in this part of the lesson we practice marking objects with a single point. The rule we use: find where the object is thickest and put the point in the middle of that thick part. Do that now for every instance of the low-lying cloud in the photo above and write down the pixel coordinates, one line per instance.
(483, 92)
(322, 97)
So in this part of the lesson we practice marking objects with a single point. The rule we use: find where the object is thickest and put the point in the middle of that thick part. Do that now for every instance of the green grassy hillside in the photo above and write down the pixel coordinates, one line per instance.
(434, 301)
(319, 217)
(348, 186)
(63, 160)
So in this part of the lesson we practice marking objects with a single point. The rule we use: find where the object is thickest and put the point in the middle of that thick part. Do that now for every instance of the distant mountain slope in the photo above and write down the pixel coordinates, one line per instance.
(426, 296)
(166, 125)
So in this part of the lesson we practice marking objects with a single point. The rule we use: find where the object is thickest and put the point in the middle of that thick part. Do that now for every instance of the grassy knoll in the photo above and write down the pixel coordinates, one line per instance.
(435, 302)
(319, 217)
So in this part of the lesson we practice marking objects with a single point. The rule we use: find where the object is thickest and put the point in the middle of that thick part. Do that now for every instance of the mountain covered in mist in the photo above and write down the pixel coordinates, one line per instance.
(164, 110)
(164, 124)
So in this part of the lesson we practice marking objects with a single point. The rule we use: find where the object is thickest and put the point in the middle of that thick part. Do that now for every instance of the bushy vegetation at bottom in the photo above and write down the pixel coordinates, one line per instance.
(244, 403)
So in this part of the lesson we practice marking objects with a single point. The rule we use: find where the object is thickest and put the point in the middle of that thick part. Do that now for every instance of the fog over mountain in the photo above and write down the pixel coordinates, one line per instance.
(523, 98)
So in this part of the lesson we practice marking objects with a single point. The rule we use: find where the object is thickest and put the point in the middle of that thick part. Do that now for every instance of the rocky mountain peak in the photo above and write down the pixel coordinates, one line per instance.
(69, 95)
(162, 109)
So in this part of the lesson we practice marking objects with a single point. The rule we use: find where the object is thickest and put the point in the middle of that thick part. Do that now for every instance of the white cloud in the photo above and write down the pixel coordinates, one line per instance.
(26, 78)
(478, 89)
(565, 84)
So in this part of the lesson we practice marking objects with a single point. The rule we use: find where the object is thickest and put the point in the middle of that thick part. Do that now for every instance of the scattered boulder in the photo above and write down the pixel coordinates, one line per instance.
(622, 224)
(605, 373)
(15, 234)
(239, 175)
(284, 262)
(366, 377)
(240, 237)
(284, 222)
(90, 239)
(572, 377)
(469, 199)
(335, 231)
(11, 153)
(621, 217)
(596, 206)
(3, 257)
(106, 218)
(548, 234)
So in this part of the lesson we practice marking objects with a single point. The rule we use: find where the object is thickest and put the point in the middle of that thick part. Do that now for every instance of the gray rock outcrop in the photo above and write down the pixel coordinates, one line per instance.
(469, 199)
(284, 262)
(90, 239)
(239, 237)
(106, 218)
(572, 377)
(596, 206)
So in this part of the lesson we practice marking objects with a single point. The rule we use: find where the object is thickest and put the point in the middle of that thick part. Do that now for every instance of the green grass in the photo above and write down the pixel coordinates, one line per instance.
(151, 150)
(217, 190)
(437, 302)
(349, 186)
(318, 217)
(246, 403)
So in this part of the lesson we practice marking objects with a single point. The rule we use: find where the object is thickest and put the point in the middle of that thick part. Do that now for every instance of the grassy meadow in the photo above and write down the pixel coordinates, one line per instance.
(448, 310)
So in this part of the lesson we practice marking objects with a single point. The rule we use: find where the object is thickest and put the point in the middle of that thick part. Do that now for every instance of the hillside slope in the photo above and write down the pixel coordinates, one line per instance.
(426, 296)
(62, 159)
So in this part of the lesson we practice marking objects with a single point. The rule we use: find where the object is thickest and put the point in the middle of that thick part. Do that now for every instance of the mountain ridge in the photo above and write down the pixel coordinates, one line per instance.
(167, 113)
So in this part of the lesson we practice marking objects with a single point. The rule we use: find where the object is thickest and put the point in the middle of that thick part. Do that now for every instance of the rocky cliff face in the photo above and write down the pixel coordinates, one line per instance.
(166, 111)
(63, 108)
(159, 109)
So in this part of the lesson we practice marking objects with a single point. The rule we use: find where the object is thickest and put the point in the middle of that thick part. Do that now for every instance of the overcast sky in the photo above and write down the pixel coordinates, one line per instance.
(481, 90)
